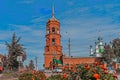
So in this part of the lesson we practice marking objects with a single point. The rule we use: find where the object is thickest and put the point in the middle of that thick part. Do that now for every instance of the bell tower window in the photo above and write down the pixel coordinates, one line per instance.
(47, 31)
(53, 41)
(53, 30)
(58, 31)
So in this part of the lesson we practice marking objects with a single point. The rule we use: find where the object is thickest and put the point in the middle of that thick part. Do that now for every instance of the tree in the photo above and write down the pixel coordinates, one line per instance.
(116, 49)
(31, 65)
(108, 54)
(112, 52)
(15, 49)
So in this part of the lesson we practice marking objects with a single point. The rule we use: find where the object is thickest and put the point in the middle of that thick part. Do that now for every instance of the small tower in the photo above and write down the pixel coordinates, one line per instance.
(91, 51)
(53, 48)
(99, 47)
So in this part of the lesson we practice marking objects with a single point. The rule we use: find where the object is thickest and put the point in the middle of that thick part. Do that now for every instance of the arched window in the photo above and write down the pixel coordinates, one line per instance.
(53, 30)
(53, 41)
(58, 31)
(47, 31)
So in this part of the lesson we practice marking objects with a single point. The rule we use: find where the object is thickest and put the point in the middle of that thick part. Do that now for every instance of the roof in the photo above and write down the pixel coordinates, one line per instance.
(56, 61)
(53, 17)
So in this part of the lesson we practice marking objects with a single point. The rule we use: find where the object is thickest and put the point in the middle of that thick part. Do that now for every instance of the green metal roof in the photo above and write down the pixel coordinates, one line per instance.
(56, 61)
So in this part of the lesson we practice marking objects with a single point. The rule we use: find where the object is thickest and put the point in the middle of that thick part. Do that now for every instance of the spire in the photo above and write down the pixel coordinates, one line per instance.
(53, 17)
(100, 36)
(52, 11)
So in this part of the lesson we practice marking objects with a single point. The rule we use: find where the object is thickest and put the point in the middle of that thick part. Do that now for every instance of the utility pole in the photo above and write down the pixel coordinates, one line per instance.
(36, 63)
(69, 46)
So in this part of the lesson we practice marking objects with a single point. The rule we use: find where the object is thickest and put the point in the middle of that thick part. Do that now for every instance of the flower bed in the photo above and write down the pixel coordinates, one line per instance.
(94, 71)
(34, 75)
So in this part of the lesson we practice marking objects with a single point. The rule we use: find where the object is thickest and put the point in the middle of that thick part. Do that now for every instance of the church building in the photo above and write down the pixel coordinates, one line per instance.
(53, 48)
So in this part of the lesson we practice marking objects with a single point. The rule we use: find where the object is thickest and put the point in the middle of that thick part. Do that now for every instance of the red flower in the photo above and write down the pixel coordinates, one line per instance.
(105, 69)
(88, 67)
(115, 76)
(96, 75)
(64, 75)
(106, 72)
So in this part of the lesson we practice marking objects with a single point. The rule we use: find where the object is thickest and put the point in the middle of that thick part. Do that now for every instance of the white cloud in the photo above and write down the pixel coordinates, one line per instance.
(3, 49)
(82, 23)
(84, 27)
(40, 19)
(26, 1)
(32, 39)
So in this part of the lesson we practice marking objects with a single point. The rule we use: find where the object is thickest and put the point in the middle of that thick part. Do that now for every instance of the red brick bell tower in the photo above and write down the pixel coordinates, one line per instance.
(53, 46)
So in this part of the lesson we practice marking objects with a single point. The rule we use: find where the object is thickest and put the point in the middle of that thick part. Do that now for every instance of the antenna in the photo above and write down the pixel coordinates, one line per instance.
(100, 33)
(100, 36)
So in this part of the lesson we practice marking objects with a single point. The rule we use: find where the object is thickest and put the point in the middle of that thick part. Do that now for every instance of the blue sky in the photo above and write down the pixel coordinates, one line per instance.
(82, 19)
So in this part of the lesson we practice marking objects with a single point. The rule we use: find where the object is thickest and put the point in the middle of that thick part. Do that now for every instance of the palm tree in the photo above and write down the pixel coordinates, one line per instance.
(15, 49)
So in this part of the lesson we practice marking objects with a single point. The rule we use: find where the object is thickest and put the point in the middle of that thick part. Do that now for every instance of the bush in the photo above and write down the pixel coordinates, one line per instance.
(58, 77)
(35, 75)
(87, 72)
(94, 71)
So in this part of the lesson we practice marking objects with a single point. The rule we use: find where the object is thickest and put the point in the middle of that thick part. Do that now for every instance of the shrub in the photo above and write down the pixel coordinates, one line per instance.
(87, 72)
(35, 75)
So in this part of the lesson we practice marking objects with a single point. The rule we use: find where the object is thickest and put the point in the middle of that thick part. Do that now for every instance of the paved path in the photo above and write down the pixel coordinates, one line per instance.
(3, 78)
(1, 75)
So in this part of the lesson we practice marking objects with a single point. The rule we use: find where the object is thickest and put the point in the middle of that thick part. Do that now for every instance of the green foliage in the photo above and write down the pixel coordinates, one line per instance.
(55, 77)
(108, 54)
(26, 76)
(31, 65)
(15, 49)
(112, 52)
(10, 74)
(58, 77)
(86, 72)
(116, 49)
(35, 75)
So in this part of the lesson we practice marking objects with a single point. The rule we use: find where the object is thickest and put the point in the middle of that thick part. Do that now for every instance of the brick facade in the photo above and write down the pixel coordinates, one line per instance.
(80, 60)
(53, 46)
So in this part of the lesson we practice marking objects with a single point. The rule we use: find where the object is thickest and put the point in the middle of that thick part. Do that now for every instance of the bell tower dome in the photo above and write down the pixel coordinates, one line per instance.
(53, 46)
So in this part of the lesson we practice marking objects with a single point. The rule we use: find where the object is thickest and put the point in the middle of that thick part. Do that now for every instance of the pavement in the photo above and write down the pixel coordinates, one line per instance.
(1, 75)
(3, 78)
